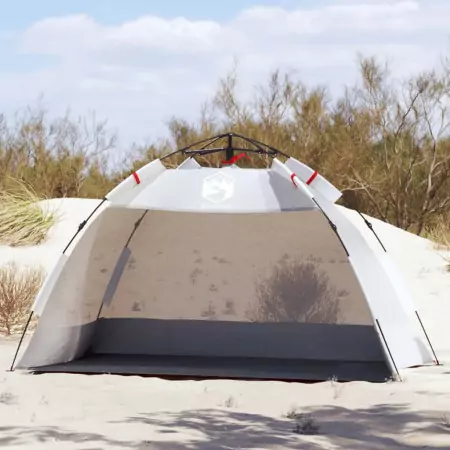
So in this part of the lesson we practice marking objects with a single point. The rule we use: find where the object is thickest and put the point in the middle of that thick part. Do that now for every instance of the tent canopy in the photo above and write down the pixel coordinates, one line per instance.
(225, 272)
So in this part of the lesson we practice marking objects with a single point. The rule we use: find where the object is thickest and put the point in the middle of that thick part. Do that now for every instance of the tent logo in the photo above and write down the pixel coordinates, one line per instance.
(218, 187)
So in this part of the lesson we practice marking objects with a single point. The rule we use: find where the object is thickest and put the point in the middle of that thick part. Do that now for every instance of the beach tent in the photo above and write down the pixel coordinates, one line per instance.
(227, 271)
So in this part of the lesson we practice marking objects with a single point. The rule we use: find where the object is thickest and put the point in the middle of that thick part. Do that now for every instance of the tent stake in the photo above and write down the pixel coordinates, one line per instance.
(387, 346)
(428, 339)
(21, 339)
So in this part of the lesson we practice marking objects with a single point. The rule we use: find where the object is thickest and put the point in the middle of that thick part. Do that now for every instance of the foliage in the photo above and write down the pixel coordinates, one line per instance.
(59, 158)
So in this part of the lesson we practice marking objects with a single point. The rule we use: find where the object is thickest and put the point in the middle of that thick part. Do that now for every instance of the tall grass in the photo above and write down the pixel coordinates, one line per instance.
(24, 220)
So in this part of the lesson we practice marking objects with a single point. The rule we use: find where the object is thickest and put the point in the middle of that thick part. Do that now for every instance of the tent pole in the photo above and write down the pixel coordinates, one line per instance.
(332, 225)
(21, 339)
(428, 339)
(136, 226)
(388, 349)
(229, 152)
(83, 224)
(370, 226)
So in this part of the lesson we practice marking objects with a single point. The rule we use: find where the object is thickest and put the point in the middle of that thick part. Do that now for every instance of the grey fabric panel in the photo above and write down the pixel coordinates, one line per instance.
(238, 339)
(207, 367)
(116, 275)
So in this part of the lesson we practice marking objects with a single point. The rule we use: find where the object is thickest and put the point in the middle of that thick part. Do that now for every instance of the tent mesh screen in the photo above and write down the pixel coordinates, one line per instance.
(273, 267)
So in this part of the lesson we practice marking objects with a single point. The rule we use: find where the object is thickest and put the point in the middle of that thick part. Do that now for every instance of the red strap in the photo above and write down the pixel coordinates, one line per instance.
(235, 158)
(312, 178)
(136, 177)
(292, 179)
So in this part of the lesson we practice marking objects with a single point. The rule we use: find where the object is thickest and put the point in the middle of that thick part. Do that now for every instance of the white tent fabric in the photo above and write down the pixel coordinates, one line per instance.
(128, 284)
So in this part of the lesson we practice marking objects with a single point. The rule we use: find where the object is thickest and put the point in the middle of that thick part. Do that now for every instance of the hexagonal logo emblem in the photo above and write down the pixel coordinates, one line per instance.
(218, 187)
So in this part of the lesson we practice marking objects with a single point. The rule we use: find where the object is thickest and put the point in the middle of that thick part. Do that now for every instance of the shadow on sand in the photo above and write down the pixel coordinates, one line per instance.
(375, 428)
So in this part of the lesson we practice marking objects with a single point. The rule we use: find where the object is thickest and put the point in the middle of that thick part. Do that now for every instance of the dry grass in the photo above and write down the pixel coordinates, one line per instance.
(439, 233)
(18, 289)
(23, 220)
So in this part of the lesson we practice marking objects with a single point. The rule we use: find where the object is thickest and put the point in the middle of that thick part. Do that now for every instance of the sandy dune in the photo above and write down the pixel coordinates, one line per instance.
(111, 412)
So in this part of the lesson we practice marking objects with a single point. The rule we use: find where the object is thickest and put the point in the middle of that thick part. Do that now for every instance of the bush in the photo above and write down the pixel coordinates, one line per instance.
(23, 221)
(61, 157)
(18, 289)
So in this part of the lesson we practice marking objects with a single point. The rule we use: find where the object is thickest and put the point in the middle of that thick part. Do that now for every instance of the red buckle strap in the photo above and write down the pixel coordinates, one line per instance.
(312, 177)
(136, 177)
(235, 158)
(292, 179)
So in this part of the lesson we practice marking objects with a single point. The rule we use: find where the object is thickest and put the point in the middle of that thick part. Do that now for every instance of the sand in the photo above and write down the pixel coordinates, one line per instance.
(57, 411)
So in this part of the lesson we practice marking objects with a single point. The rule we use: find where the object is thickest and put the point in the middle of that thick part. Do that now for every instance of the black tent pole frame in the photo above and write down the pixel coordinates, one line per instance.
(229, 149)
(83, 224)
(333, 226)
(370, 226)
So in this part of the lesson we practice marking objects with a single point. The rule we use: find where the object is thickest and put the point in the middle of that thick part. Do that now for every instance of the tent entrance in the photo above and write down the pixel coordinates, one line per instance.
(262, 296)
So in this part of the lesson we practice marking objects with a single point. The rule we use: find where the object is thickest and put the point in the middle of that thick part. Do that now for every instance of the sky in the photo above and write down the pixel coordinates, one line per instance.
(137, 63)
